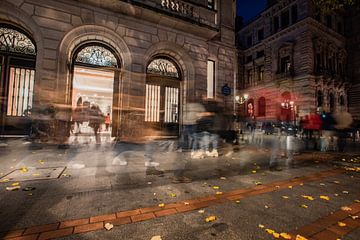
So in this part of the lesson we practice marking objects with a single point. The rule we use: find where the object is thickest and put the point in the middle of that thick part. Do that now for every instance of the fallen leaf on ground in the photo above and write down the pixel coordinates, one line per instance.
(269, 231)
(156, 238)
(285, 197)
(258, 183)
(336, 195)
(345, 192)
(285, 235)
(345, 208)
(266, 206)
(261, 226)
(5, 180)
(337, 182)
(322, 184)
(341, 224)
(161, 205)
(186, 203)
(277, 186)
(354, 217)
(223, 178)
(290, 187)
(201, 211)
(276, 235)
(301, 184)
(216, 187)
(30, 194)
(15, 184)
(325, 198)
(219, 193)
(357, 201)
(24, 169)
(41, 161)
(210, 219)
(36, 174)
(108, 226)
(308, 197)
(299, 237)
(27, 189)
(13, 188)
(253, 171)
(149, 183)
(304, 206)
(173, 195)
(237, 201)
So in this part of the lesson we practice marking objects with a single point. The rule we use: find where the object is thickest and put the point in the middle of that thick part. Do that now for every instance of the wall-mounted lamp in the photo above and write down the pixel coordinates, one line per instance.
(242, 99)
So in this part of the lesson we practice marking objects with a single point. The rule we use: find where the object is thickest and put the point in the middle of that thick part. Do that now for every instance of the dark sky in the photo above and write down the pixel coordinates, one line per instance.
(250, 8)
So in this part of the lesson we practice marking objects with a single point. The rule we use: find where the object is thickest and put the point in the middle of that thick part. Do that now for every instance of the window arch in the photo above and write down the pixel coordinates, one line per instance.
(97, 55)
(17, 71)
(262, 107)
(163, 67)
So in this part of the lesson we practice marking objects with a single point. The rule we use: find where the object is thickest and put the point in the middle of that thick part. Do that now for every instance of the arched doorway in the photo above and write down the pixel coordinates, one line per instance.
(17, 80)
(95, 83)
(162, 99)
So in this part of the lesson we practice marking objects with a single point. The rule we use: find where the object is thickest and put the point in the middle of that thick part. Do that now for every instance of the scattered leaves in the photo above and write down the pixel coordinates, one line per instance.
(210, 219)
(41, 161)
(219, 193)
(161, 205)
(299, 237)
(258, 183)
(186, 203)
(108, 226)
(15, 184)
(341, 224)
(345, 192)
(13, 188)
(269, 231)
(346, 208)
(285, 235)
(24, 169)
(276, 235)
(253, 171)
(261, 226)
(357, 201)
(337, 182)
(223, 178)
(201, 211)
(173, 195)
(285, 197)
(237, 201)
(27, 189)
(308, 197)
(266, 206)
(322, 184)
(304, 206)
(216, 187)
(290, 187)
(325, 198)
(5, 180)
(36, 174)
(354, 217)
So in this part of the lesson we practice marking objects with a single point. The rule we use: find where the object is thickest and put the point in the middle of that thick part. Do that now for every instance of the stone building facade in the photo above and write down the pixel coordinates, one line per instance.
(187, 35)
(292, 62)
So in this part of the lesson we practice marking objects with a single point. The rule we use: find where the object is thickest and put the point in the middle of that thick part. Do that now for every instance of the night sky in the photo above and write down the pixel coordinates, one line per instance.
(250, 8)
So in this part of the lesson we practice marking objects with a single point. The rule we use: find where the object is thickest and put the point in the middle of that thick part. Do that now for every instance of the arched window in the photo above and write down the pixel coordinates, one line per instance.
(342, 100)
(331, 102)
(96, 55)
(17, 73)
(262, 107)
(319, 98)
(163, 94)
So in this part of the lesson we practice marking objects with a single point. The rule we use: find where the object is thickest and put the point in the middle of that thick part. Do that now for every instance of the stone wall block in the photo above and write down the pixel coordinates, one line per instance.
(137, 43)
(121, 30)
(155, 39)
(87, 16)
(100, 19)
(51, 44)
(180, 39)
(16, 2)
(111, 22)
(28, 8)
(162, 35)
(50, 54)
(52, 14)
(139, 35)
(76, 20)
(171, 36)
(52, 24)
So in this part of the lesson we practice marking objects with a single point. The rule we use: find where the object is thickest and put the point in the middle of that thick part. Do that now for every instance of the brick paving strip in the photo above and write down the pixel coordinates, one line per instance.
(69, 227)
(327, 228)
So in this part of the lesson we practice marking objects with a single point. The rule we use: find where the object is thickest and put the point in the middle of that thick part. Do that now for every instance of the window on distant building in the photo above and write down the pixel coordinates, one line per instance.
(249, 76)
(318, 63)
(294, 14)
(260, 54)
(262, 107)
(211, 4)
(285, 64)
(248, 58)
(339, 28)
(211, 79)
(276, 24)
(261, 72)
(285, 19)
(249, 41)
(260, 34)
(329, 21)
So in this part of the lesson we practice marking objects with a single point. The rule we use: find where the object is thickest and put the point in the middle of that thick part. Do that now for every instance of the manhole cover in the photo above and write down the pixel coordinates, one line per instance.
(34, 174)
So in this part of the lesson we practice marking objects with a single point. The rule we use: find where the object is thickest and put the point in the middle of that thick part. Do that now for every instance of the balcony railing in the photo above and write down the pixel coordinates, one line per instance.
(181, 9)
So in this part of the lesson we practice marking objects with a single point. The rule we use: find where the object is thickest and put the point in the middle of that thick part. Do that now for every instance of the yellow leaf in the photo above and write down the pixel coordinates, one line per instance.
(186, 203)
(261, 226)
(325, 198)
(24, 169)
(285, 197)
(253, 171)
(354, 217)
(238, 201)
(258, 183)
(341, 224)
(269, 231)
(304, 206)
(277, 186)
(285, 235)
(15, 184)
(41, 161)
(276, 235)
(357, 201)
(173, 195)
(337, 182)
(301, 184)
(36, 174)
(345, 208)
(223, 178)
(216, 187)
(290, 187)
(201, 211)
(308, 197)
(210, 219)
(219, 193)
(161, 205)
(299, 237)
(345, 192)
(5, 180)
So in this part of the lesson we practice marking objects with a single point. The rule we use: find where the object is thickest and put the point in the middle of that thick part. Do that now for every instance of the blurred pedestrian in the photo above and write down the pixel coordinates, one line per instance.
(107, 122)
(95, 121)
(276, 150)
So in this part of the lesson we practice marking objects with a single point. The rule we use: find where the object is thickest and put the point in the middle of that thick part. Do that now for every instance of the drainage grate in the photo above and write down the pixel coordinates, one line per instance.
(35, 174)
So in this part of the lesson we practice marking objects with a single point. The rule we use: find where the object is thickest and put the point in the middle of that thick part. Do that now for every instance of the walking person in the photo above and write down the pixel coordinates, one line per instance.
(107, 122)
(96, 119)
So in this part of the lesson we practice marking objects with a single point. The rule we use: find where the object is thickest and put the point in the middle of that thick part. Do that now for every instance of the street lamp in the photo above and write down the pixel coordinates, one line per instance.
(242, 99)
